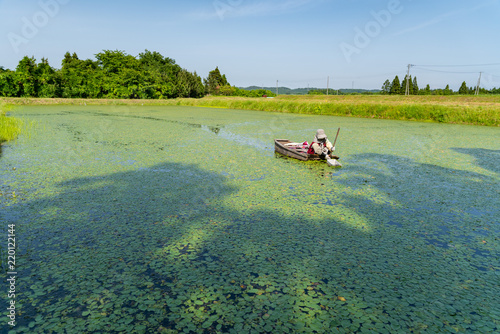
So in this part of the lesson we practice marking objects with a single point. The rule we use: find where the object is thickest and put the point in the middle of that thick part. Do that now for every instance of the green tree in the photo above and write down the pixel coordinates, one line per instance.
(48, 79)
(228, 90)
(395, 86)
(260, 93)
(70, 79)
(463, 89)
(316, 92)
(130, 88)
(160, 76)
(26, 72)
(189, 84)
(199, 88)
(114, 74)
(154, 61)
(386, 87)
(410, 85)
(81, 78)
(8, 84)
(121, 78)
(415, 86)
(113, 62)
(215, 81)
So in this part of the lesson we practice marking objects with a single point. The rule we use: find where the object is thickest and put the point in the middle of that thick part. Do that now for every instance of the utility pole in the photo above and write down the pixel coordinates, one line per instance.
(276, 87)
(327, 85)
(407, 92)
(478, 83)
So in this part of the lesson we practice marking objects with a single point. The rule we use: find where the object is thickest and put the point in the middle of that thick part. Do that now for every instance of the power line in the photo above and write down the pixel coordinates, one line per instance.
(441, 71)
(492, 64)
(367, 76)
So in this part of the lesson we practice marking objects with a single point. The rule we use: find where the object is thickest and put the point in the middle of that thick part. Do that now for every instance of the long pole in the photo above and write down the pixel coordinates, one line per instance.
(335, 141)
(276, 87)
(327, 85)
(478, 83)
(407, 92)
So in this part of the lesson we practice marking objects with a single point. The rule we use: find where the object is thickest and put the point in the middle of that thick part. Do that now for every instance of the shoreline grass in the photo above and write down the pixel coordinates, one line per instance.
(456, 109)
(10, 127)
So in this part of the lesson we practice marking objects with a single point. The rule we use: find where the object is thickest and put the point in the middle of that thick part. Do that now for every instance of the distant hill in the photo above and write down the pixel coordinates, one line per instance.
(304, 91)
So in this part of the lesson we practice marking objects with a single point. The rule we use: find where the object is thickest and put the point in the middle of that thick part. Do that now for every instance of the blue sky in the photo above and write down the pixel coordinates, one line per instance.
(299, 43)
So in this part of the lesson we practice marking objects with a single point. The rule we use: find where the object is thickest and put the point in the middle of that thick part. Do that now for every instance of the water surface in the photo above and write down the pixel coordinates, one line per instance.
(179, 219)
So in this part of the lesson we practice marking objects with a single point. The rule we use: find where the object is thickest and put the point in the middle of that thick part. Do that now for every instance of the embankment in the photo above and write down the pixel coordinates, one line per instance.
(457, 109)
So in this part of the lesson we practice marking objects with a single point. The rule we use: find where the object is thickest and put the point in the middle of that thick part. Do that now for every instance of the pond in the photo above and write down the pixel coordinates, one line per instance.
(179, 219)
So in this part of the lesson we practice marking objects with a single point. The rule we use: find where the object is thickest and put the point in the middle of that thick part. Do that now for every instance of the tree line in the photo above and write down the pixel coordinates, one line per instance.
(396, 87)
(113, 74)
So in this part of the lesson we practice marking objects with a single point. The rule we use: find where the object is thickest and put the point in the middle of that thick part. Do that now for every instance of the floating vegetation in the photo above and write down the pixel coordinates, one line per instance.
(148, 220)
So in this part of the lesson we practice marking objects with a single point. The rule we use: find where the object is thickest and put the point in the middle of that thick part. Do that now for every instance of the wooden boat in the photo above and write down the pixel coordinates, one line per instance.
(295, 150)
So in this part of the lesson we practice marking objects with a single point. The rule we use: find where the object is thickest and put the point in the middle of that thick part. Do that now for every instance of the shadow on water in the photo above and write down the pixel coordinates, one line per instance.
(452, 197)
(487, 159)
(162, 248)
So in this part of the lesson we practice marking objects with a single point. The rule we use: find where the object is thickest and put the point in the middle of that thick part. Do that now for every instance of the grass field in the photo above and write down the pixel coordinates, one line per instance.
(458, 109)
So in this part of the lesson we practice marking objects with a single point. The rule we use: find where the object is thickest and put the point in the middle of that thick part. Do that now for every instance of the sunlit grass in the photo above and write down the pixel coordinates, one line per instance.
(10, 127)
(457, 109)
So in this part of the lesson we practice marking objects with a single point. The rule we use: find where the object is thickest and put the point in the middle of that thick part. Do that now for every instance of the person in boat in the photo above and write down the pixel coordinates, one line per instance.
(321, 145)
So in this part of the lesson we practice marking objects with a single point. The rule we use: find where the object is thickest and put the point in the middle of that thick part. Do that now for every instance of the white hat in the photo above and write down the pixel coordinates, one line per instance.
(320, 134)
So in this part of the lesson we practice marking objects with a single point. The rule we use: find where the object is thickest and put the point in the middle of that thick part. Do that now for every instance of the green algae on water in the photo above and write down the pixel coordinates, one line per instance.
(180, 219)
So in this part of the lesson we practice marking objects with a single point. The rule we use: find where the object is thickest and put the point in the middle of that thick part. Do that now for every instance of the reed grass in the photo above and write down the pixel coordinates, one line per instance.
(10, 127)
(458, 109)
